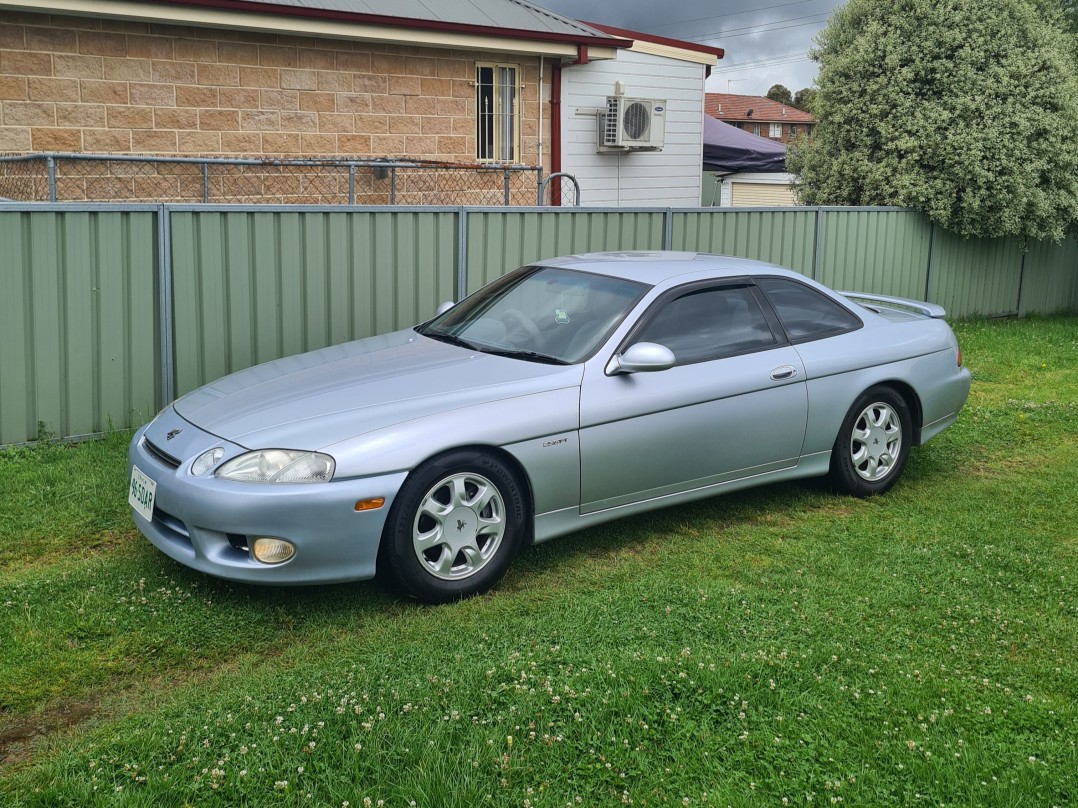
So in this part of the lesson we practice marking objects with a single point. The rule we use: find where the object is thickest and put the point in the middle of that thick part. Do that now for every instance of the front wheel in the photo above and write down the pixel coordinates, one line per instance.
(873, 443)
(455, 527)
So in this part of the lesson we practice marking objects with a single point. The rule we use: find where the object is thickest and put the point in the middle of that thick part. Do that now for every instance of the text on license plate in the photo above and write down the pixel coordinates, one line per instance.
(142, 493)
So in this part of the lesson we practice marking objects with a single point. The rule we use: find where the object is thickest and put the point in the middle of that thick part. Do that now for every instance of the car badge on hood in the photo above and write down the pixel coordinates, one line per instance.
(173, 433)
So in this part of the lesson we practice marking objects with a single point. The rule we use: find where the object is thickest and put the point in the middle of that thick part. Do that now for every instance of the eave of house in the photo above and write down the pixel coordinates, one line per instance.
(264, 18)
(663, 46)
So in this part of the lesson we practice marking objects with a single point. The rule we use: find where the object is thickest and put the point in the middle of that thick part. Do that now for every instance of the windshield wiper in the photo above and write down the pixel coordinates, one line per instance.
(451, 339)
(531, 356)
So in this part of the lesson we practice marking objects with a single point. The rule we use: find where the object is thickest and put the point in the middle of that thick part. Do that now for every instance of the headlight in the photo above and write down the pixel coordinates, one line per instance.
(278, 466)
(206, 461)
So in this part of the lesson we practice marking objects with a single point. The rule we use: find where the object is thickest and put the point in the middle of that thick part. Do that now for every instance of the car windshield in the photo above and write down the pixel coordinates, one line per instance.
(540, 314)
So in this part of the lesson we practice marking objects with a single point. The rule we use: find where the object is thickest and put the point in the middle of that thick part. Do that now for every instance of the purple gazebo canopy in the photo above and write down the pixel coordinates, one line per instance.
(728, 149)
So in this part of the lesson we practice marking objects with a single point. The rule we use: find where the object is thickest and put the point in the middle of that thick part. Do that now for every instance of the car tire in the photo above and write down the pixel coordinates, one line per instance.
(455, 526)
(873, 443)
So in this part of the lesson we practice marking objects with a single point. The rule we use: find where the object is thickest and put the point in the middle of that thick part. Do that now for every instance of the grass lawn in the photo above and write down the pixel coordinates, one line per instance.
(780, 646)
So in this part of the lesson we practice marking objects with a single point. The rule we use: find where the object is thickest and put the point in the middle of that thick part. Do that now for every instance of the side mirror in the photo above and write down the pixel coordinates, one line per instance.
(643, 357)
(444, 307)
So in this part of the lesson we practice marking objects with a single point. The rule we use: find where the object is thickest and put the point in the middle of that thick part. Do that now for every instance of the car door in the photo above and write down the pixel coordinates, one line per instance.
(733, 405)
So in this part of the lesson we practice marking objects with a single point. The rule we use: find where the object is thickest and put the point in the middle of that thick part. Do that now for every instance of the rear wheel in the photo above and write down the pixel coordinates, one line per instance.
(455, 527)
(873, 443)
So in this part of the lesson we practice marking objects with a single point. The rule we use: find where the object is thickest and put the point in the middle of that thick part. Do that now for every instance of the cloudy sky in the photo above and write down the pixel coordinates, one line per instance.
(766, 41)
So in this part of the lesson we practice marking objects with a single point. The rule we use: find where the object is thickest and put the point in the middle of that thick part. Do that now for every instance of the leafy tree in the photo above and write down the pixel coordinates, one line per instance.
(780, 93)
(804, 98)
(964, 109)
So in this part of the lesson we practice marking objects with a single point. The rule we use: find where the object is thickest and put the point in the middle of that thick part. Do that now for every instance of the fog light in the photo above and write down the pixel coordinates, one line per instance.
(272, 551)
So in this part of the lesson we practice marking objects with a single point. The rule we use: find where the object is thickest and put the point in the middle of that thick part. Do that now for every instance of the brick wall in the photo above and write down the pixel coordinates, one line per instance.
(83, 85)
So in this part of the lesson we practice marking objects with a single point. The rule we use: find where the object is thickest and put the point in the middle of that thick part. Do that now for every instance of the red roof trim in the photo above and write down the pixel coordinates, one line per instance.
(625, 33)
(399, 22)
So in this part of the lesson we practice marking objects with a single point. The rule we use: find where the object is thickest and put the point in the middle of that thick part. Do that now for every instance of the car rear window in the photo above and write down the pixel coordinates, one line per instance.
(805, 313)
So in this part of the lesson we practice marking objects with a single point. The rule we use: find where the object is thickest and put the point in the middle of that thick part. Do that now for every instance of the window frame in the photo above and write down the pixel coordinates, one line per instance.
(774, 131)
(792, 340)
(498, 145)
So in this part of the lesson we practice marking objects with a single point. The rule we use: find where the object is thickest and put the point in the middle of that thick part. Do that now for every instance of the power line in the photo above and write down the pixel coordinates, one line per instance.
(796, 56)
(759, 66)
(731, 14)
(719, 35)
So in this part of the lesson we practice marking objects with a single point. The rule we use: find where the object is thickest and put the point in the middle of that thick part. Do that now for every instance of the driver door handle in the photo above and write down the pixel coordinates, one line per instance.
(783, 372)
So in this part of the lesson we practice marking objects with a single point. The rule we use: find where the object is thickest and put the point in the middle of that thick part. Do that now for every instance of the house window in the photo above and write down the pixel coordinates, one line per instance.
(775, 130)
(793, 130)
(756, 129)
(497, 125)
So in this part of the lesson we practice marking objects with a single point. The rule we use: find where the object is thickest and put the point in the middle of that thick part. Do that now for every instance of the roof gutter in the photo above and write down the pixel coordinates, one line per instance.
(555, 118)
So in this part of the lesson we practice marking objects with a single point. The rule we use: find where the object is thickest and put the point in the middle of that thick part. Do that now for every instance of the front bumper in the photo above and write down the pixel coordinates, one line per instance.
(206, 523)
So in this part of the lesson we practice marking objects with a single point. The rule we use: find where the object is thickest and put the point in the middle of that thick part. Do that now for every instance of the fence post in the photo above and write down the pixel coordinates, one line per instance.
(668, 228)
(351, 184)
(50, 162)
(505, 181)
(931, 252)
(462, 254)
(164, 304)
(816, 246)
(539, 187)
(1021, 278)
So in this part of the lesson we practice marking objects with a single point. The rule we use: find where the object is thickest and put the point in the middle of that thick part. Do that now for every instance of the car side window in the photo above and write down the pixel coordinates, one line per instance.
(805, 313)
(709, 323)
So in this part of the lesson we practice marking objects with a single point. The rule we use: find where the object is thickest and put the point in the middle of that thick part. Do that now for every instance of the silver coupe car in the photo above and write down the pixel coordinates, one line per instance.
(567, 393)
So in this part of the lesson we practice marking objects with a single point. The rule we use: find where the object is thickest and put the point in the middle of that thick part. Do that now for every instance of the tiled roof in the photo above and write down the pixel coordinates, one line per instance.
(729, 107)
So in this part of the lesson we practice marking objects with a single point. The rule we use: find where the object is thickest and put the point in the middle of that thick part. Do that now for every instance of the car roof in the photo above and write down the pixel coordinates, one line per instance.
(661, 266)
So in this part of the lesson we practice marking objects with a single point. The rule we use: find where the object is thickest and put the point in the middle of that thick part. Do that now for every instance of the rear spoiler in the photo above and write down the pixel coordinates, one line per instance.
(904, 303)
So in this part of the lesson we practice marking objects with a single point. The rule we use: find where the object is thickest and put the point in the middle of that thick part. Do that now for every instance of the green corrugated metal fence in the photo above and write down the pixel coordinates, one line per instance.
(107, 312)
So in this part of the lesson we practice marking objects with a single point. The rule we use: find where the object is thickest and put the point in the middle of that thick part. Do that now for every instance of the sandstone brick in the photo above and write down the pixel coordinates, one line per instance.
(367, 83)
(353, 102)
(240, 53)
(387, 145)
(437, 125)
(168, 72)
(335, 82)
(123, 26)
(404, 85)
(106, 140)
(316, 59)
(78, 67)
(149, 47)
(29, 113)
(14, 88)
(14, 37)
(219, 119)
(154, 187)
(80, 115)
(126, 69)
(260, 120)
(451, 144)
(317, 102)
(277, 56)
(318, 144)
(175, 118)
(281, 143)
(195, 50)
(175, 31)
(422, 145)
(43, 89)
(299, 121)
(52, 40)
(452, 107)
(278, 99)
(103, 92)
(455, 69)
(153, 95)
(352, 62)
(238, 98)
(420, 105)
(336, 122)
(263, 77)
(292, 79)
(22, 18)
(189, 96)
(219, 75)
(424, 67)
(372, 124)
(387, 104)
(188, 142)
(100, 43)
(44, 138)
(15, 139)
(404, 125)
(153, 140)
(463, 89)
(354, 144)
(25, 63)
(463, 126)
(127, 117)
(240, 142)
(435, 88)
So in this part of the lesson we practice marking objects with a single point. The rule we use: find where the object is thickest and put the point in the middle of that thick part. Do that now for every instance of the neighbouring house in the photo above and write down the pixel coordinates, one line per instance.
(761, 116)
(460, 81)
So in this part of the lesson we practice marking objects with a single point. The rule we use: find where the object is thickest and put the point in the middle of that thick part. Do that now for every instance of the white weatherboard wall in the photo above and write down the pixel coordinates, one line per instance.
(668, 178)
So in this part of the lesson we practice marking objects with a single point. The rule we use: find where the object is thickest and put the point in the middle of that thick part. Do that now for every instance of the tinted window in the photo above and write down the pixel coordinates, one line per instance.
(709, 323)
(804, 312)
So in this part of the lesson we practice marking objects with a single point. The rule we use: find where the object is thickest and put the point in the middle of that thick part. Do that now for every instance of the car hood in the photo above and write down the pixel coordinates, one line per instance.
(316, 399)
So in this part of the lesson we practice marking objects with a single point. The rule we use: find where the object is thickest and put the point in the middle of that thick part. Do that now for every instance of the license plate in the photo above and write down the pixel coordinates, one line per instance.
(142, 493)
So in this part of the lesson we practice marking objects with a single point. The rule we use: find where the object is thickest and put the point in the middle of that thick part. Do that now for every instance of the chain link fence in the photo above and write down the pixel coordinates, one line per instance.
(133, 178)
